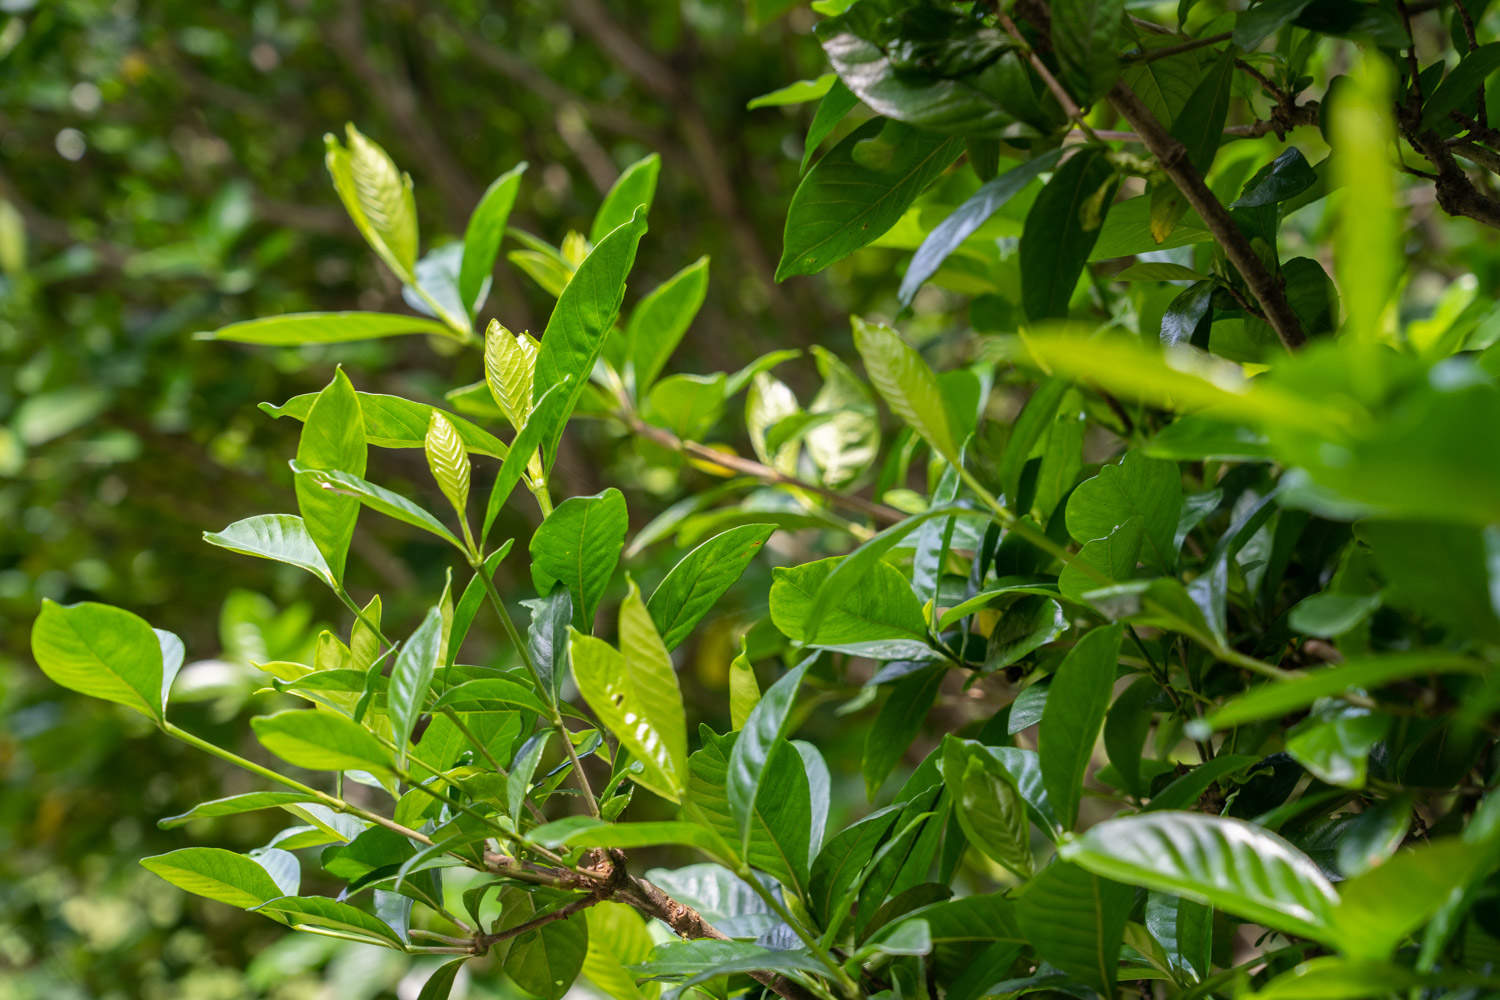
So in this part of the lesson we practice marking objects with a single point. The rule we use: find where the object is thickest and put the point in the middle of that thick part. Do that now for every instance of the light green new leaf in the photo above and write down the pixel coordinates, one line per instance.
(278, 537)
(800, 92)
(881, 616)
(234, 805)
(634, 189)
(617, 938)
(1235, 866)
(220, 875)
(1073, 715)
(509, 370)
(333, 437)
(585, 831)
(412, 675)
(1076, 921)
(660, 319)
(988, 804)
(579, 545)
(101, 651)
(1367, 248)
(321, 741)
(744, 690)
(858, 191)
(635, 695)
(394, 422)
(323, 328)
(907, 384)
(317, 913)
(449, 462)
(377, 498)
(483, 234)
(696, 583)
(1137, 487)
(574, 338)
(378, 197)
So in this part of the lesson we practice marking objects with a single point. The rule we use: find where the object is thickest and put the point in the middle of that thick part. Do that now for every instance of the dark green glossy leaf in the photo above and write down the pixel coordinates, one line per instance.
(1076, 704)
(1086, 36)
(1076, 921)
(1060, 231)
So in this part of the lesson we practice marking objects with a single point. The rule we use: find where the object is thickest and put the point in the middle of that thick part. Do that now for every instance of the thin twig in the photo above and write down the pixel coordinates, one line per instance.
(1064, 99)
(1166, 51)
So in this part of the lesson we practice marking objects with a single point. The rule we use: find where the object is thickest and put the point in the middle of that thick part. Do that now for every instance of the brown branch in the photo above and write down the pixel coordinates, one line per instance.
(1173, 158)
(1166, 51)
(1059, 92)
(765, 473)
(483, 942)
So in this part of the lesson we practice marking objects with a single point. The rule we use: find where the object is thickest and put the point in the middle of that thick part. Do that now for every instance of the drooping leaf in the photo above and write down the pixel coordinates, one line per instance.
(1200, 125)
(886, 165)
(1184, 929)
(394, 422)
(320, 741)
(101, 651)
(897, 725)
(1086, 37)
(439, 985)
(278, 537)
(578, 545)
(1235, 866)
(318, 913)
(617, 939)
(377, 498)
(1061, 228)
(217, 874)
(333, 437)
(703, 576)
(1076, 704)
(234, 805)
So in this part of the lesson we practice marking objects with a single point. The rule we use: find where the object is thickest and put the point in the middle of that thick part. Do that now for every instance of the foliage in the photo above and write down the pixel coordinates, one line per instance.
(1174, 586)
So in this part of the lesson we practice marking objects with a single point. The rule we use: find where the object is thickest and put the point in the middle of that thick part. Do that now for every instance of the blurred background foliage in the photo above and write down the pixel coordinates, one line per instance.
(161, 173)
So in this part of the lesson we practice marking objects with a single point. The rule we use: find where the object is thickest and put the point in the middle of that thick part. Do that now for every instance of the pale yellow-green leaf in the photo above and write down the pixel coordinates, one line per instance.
(906, 383)
(744, 690)
(448, 460)
(378, 197)
(1367, 254)
(509, 370)
(618, 939)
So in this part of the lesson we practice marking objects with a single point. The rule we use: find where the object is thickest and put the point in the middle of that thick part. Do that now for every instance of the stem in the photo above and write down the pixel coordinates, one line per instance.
(1173, 157)
(542, 689)
(483, 942)
(836, 971)
(1064, 99)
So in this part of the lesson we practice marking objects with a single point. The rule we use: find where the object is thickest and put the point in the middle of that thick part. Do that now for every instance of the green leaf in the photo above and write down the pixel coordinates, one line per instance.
(323, 328)
(321, 741)
(317, 914)
(753, 748)
(448, 462)
(1280, 180)
(881, 617)
(1335, 745)
(1235, 866)
(635, 695)
(483, 234)
(547, 638)
(377, 498)
(858, 191)
(1060, 231)
(333, 437)
(585, 831)
(988, 804)
(832, 109)
(1368, 251)
(1086, 36)
(1184, 929)
(1073, 716)
(1460, 86)
(574, 338)
(523, 449)
(490, 694)
(897, 725)
(800, 92)
(579, 545)
(412, 675)
(439, 985)
(1125, 730)
(278, 537)
(703, 576)
(101, 651)
(1255, 24)
(744, 690)
(634, 189)
(1138, 487)
(394, 422)
(658, 321)
(1200, 125)
(966, 219)
(617, 938)
(1076, 921)
(907, 384)
(223, 876)
(778, 842)
(378, 198)
(509, 370)
(1336, 978)
(1278, 698)
(543, 962)
(234, 805)
(1378, 909)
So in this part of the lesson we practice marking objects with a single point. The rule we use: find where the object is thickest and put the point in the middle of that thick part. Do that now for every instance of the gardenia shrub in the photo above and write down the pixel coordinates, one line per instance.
(1201, 543)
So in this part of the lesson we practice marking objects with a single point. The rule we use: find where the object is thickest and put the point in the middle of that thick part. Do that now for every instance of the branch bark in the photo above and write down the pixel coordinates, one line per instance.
(1173, 158)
